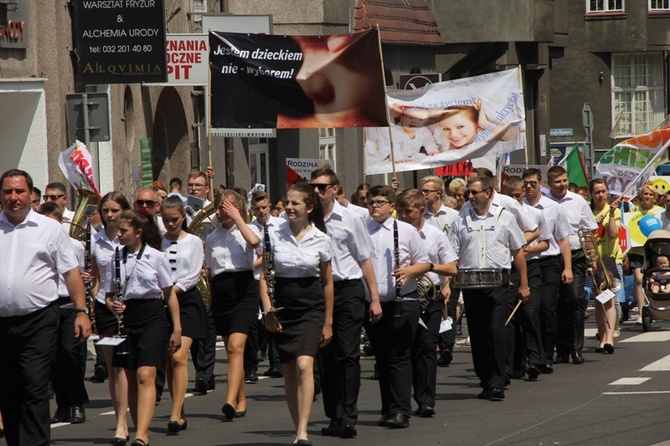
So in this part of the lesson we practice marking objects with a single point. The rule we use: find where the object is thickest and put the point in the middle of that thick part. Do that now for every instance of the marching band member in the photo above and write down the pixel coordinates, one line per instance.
(185, 254)
(302, 293)
(229, 257)
(105, 242)
(436, 213)
(571, 302)
(145, 282)
(555, 262)
(411, 205)
(608, 218)
(484, 236)
(525, 354)
(399, 258)
(339, 362)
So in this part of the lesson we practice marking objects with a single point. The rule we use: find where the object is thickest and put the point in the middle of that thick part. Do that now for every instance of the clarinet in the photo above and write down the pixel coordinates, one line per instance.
(269, 270)
(121, 349)
(396, 260)
(87, 268)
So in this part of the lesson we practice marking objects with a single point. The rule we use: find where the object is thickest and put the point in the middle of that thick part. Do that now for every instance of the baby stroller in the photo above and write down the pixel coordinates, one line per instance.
(656, 282)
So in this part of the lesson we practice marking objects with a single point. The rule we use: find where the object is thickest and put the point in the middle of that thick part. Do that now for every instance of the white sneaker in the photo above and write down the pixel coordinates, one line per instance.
(638, 320)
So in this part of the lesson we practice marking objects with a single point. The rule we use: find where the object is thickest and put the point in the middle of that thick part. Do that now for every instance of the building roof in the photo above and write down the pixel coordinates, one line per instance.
(402, 22)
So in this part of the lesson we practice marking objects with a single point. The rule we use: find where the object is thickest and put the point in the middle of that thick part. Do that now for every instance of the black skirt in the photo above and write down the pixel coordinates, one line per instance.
(192, 314)
(147, 334)
(235, 300)
(302, 316)
(105, 320)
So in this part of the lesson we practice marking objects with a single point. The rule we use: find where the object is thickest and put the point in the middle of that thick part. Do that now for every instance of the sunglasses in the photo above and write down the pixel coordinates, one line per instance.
(52, 197)
(321, 187)
(529, 183)
(147, 203)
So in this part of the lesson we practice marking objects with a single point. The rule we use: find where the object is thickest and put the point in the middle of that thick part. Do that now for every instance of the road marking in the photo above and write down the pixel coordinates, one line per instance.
(629, 381)
(662, 365)
(652, 336)
(651, 392)
(55, 425)
(590, 332)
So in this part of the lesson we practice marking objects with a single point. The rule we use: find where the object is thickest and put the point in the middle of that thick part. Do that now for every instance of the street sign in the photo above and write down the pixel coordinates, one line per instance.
(87, 110)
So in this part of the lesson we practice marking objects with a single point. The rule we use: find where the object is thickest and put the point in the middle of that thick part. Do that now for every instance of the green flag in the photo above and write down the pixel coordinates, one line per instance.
(574, 164)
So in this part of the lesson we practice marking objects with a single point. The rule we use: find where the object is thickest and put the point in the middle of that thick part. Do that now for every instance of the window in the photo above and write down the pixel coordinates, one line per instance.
(659, 5)
(595, 6)
(637, 93)
(327, 144)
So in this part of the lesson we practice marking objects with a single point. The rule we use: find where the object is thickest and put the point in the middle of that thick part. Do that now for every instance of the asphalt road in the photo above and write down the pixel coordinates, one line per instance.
(619, 399)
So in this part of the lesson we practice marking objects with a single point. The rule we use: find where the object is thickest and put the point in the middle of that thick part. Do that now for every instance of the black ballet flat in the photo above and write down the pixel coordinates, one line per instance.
(599, 349)
(120, 441)
(240, 414)
(609, 348)
(174, 427)
(139, 442)
(228, 411)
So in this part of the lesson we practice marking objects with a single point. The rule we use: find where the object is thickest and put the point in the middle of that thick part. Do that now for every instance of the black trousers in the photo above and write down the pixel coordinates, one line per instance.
(525, 345)
(424, 356)
(203, 353)
(487, 310)
(571, 308)
(339, 362)
(28, 346)
(551, 268)
(392, 339)
(69, 366)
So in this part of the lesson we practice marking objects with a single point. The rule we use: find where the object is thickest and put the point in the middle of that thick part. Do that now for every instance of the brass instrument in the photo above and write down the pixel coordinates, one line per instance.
(602, 279)
(197, 227)
(427, 291)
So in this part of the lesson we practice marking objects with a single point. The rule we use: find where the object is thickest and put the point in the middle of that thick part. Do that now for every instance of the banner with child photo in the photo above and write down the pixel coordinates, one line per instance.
(447, 122)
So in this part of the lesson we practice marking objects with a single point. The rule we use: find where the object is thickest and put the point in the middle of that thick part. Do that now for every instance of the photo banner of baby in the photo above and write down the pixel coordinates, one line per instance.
(447, 122)
(267, 81)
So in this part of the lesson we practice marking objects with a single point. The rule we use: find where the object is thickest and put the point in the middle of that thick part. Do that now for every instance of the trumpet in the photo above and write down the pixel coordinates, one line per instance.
(596, 268)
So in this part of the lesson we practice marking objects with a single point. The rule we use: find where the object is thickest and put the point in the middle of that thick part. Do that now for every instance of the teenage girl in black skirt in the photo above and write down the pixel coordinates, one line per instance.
(229, 256)
(304, 298)
(185, 255)
(145, 280)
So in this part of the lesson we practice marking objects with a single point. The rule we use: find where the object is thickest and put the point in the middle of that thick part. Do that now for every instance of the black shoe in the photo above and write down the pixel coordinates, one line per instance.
(228, 411)
(484, 395)
(77, 415)
(562, 359)
(445, 358)
(99, 374)
(599, 350)
(497, 394)
(547, 369)
(425, 411)
(120, 441)
(201, 386)
(397, 421)
(348, 430)
(533, 373)
(61, 416)
(174, 427)
(334, 429)
(251, 377)
(516, 374)
(274, 372)
(240, 414)
(577, 357)
(609, 348)
(382, 421)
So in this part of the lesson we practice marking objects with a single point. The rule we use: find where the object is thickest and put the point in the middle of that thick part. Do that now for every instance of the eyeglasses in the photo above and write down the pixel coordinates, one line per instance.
(195, 185)
(52, 197)
(322, 187)
(427, 191)
(147, 203)
(378, 203)
(529, 183)
(473, 193)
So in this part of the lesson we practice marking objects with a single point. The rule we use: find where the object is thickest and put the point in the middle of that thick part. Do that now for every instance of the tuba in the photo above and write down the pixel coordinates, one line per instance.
(596, 268)
(427, 291)
(197, 227)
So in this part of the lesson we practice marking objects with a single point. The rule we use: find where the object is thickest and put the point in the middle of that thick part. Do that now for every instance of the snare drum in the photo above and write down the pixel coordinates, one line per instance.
(478, 278)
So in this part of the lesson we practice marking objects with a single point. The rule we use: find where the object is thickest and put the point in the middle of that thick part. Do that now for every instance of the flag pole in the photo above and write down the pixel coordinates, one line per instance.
(525, 143)
(650, 163)
(210, 180)
(386, 102)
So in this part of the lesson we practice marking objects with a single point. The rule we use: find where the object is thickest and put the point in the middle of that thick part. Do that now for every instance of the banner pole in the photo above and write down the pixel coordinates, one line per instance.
(652, 161)
(386, 102)
(523, 104)
(365, 165)
(210, 180)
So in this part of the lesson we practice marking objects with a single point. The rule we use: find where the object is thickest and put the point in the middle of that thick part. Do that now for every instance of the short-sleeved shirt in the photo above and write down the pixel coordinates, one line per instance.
(80, 255)
(579, 214)
(102, 250)
(411, 251)
(297, 259)
(557, 221)
(34, 253)
(227, 251)
(186, 257)
(608, 246)
(439, 249)
(513, 206)
(144, 274)
(351, 243)
(442, 219)
(485, 241)
(545, 231)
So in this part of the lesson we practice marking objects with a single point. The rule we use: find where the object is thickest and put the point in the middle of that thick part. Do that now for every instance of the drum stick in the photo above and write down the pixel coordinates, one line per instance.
(513, 311)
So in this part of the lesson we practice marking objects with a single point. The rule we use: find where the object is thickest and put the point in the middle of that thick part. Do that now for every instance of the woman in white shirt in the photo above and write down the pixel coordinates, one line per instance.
(185, 254)
(103, 245)
(229, 257)
(146, 282)
(301, 275)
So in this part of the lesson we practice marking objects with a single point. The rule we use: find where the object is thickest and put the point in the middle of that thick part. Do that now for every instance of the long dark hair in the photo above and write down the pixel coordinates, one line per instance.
(311, 199)
(151, 235)
(116, 197)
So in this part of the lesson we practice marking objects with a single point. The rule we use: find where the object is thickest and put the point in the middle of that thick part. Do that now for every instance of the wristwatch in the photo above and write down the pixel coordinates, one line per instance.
(83, 310)
(432, 268)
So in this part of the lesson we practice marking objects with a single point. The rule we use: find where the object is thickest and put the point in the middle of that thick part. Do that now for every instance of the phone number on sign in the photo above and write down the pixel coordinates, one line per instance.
(126, 48)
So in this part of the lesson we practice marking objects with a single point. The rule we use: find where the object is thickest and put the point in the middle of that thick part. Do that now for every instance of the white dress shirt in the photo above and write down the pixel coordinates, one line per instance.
(351, 243)
(227, 251)
(443, 219)
(513, 206)
(439, 249)
(411, 251)
(486, 241)
(145, 276)
(545, 231)
(579, 214)
(186, 258)
(362, 212)
(102, 250)
(556, 220)
(293, 259)
(34, 253)
(79, 254)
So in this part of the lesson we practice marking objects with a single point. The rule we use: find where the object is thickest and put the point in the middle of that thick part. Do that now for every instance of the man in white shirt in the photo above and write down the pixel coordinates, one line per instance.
(339, 361)
(571, 302)
(57, 192)
(436, 213)
(35, 250)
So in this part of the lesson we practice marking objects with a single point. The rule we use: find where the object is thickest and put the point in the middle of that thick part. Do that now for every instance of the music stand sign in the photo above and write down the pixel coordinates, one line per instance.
(120, 41)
